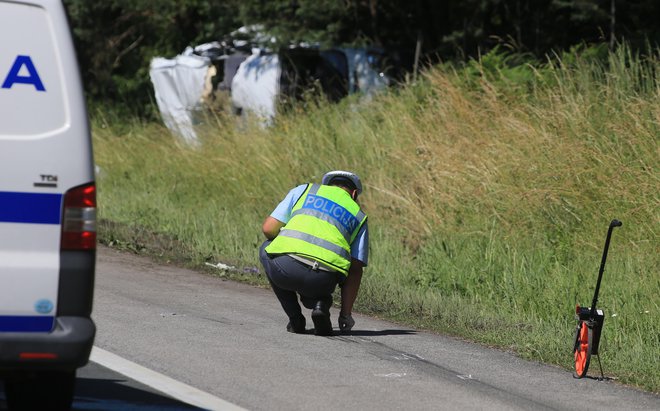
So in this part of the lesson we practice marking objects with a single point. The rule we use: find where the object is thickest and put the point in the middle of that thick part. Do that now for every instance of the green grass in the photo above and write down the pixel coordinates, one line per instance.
(489, 192)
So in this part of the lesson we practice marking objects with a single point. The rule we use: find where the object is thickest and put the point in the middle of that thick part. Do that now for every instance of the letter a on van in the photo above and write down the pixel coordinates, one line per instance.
(47, 208)
(32, 78)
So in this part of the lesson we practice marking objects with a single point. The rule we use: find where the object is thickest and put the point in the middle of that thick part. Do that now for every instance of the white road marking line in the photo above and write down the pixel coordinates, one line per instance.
(160, 382)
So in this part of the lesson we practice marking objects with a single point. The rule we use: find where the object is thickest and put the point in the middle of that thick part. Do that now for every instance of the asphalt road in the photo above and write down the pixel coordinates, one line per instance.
(229, 340)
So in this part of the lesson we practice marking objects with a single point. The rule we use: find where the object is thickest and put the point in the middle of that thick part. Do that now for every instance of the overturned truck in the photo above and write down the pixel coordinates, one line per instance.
(259, 80)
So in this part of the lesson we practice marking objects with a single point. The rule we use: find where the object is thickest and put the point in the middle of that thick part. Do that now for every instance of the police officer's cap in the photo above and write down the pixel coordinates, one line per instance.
(346, 176)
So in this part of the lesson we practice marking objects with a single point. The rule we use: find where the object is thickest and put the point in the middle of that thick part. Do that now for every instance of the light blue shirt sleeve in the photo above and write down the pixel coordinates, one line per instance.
(359, 247)
(283, 210)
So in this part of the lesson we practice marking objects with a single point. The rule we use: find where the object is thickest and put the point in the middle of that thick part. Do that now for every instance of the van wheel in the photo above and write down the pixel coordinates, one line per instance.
(46, 390)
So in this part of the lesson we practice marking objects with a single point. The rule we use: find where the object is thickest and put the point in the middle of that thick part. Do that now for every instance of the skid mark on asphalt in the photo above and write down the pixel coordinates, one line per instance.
(392, 375)
(421, 365)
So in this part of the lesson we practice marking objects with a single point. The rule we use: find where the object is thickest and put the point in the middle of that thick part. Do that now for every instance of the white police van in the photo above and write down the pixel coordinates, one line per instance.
(47, 208)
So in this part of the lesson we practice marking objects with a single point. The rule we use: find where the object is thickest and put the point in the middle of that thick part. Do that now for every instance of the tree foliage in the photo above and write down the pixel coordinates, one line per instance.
(116, 39)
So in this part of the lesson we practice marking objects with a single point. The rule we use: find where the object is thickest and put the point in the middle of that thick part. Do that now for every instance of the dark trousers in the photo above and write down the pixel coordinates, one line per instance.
(289, 276)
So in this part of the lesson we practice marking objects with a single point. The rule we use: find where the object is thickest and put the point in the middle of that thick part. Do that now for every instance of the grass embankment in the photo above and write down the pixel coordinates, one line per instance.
(489, 194)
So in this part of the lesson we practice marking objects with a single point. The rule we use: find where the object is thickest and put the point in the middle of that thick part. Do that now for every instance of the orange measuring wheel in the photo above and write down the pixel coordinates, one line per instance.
(582, 351)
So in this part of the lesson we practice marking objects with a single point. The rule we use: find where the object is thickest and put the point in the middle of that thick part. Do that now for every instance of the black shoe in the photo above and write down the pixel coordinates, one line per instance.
(296, 325)
(321, 318)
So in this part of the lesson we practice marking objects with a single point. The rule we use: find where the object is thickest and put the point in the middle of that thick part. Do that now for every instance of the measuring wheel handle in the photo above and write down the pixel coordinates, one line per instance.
(590, 321)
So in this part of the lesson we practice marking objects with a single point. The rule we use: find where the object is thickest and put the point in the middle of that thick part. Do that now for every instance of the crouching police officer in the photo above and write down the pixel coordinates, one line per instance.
(317, 238)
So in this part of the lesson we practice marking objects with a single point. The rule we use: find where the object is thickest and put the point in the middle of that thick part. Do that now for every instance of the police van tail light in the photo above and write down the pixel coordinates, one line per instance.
(79, 218)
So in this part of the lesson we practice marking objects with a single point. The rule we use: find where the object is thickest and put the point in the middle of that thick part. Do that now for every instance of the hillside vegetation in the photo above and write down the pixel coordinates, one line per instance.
(489, 190)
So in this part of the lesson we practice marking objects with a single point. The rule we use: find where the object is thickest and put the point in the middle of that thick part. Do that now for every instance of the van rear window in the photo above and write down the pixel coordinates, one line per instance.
(32, 99)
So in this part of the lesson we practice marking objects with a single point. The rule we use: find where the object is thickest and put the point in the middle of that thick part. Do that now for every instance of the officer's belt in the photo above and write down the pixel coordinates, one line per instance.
(313, 264)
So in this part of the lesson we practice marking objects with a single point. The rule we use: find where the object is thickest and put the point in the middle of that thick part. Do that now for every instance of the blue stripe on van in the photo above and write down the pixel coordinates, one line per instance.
(15, 323)
(33, 208)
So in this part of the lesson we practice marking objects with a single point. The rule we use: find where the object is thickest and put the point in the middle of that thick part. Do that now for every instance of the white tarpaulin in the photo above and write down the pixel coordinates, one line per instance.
(255, 86)
(180, 84)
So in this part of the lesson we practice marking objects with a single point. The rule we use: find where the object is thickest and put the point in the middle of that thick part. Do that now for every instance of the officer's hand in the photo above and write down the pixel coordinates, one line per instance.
(346, 322)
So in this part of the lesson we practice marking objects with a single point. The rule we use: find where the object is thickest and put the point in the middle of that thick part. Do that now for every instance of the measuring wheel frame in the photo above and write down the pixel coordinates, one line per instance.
(590, 322)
